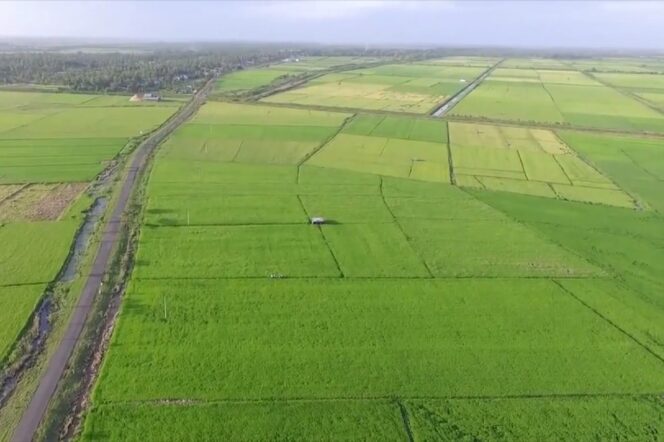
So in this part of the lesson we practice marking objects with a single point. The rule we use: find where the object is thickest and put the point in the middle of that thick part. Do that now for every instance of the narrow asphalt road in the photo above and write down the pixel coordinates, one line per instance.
(34, 414)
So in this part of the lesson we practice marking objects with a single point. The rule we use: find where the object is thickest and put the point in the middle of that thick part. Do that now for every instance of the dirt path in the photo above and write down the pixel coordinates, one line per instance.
(33, 415)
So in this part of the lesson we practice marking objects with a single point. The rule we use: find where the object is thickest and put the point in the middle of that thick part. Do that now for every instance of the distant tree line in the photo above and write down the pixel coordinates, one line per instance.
(126, 72)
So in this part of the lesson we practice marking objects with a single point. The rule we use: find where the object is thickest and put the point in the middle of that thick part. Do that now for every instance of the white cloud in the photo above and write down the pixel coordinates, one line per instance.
(340, 9)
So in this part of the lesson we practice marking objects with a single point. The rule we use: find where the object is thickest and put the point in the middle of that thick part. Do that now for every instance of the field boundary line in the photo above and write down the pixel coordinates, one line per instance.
(370, 134)
(553, 189)
(624, 91)
(320, 147)
(640, 167)
(406, 420)
(327, 243)
(403, 232)
(25, 284)
(20, 189)
(523, 166)
(237, 151)
(553, 100)
(553, 126)
(562, 169)
(609, 321)
(450, 160)
(587, 161)
(477, 178)
(544, 237)
(377, 278)
(64, 108)
(180, 226)
(386, 399)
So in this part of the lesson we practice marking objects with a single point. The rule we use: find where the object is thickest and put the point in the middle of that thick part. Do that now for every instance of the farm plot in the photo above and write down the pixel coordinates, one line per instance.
(462, 60)
(38, 202)
(306, 420)
(50, 138)
(653, 65)
(636, 164)
(100, 122)
(33, 101)
(649, 87)
(252, 134)
(56, 160)
(628, 243)
(490, 248)
(27, 262)
(413, 88)
(313, 338)
(390, 146)
(18, 302)
(530, 161)
(637, 418)
(556, 96)
(530, 63)
(249, 79)
(321, 63)
(250, 251)
(26, 258)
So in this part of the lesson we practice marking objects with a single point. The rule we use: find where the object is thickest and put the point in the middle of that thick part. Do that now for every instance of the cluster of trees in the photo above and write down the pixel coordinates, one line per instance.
(176, 70)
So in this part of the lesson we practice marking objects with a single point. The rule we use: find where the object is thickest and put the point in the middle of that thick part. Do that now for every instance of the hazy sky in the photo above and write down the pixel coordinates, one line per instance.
(629, 24)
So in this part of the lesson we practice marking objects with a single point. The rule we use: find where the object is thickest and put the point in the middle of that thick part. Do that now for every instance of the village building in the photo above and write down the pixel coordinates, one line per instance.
(149, 96)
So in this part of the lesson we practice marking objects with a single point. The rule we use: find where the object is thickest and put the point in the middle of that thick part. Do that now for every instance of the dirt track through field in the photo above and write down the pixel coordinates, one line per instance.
(56, 366)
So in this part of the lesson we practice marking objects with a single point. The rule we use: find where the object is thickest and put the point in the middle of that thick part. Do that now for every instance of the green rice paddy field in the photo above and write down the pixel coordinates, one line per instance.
(249, 79)
(412, 88)
(560, 97)
(474, 280)
(51, 147)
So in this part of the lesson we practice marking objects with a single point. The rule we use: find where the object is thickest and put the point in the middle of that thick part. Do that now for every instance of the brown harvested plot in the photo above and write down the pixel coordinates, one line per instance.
(39, 202)
(7, 191)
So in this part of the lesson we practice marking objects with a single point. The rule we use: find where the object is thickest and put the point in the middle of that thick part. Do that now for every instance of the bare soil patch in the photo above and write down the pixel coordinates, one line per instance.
(39, 202)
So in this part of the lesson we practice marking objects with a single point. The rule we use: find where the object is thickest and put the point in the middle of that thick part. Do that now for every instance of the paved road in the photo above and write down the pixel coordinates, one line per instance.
(34, 414)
